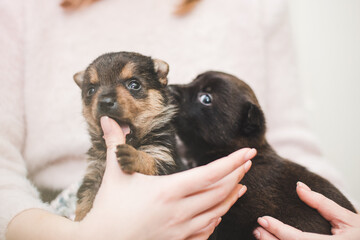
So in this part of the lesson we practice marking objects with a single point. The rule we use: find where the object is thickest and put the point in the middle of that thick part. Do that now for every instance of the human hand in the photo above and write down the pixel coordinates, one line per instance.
(186, 205)
(345, 224)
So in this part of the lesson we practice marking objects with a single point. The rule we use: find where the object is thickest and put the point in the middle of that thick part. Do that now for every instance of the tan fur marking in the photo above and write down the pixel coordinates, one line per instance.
(146, 164)
(127, 71)
(135, 160)
(127, 103)
(149, 109)
(94, 79)
(161, 155)
(142, 112)
(90, 111)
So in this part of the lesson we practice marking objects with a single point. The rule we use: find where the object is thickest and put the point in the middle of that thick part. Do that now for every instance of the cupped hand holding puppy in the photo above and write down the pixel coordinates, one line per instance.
(345, 224)
(186, 205)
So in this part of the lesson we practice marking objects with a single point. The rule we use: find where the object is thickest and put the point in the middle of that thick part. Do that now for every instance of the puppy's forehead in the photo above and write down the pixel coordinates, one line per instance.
(119, 66)
(218, 81)
(208, 82)
(128, 70)
(116, 70)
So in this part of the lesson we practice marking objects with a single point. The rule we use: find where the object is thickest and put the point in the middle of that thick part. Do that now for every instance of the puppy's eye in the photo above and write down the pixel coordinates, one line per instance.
(205, 98)
(133, 85)
(91, 91)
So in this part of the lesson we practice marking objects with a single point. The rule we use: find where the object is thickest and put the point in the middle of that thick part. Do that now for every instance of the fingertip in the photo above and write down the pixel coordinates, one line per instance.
(302, 186)
(240, 152)
(242, 191)
(256, 233)
(263, 222)
(250, 154)
(261, 233)
(305, 193)
(244, 154)
(218, 222)
(247, 166)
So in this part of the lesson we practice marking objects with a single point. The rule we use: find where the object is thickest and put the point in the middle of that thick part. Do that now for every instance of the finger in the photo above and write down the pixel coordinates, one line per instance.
(330, 210)
(214, 194)
(283, 231)
(206, 231)
(209, 174)
(113, 133)
(337, 231)
(205, 218)
(349, 234)
(261, 234)
(113, 136)
(278, 228)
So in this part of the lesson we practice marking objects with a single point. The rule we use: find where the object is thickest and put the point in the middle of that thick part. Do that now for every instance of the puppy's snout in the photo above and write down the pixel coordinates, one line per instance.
(107, 103)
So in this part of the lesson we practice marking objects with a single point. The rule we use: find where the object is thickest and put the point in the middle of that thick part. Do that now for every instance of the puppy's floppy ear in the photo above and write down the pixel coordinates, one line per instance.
(162, 69)
(252, 120)
(79, 78)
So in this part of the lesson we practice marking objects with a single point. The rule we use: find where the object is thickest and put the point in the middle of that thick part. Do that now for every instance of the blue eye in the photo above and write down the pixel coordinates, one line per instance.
(205, 98)
(133, 85)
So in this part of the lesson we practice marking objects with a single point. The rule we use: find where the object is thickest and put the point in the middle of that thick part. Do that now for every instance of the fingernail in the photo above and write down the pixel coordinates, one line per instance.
(242, 191)
(247, 165)
(250, 154)
(257, 234)
(303, 186)
(263, 222)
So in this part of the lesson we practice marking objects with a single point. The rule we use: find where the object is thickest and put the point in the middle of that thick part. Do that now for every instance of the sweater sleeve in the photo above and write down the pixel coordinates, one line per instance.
(16, 191)
(288, 130)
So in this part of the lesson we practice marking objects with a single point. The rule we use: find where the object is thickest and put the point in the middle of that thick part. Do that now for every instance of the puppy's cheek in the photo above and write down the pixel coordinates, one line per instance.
(91, 115)
(129, 108)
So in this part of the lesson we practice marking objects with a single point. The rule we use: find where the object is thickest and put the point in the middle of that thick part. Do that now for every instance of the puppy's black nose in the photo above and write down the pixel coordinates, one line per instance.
(107, 103)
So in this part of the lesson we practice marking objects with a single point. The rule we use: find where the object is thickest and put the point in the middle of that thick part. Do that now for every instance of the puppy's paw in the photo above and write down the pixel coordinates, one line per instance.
(127, 157)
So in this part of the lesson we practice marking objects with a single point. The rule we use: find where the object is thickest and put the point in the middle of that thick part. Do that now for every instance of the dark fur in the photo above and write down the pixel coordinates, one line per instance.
(235, 120)
(106, 91)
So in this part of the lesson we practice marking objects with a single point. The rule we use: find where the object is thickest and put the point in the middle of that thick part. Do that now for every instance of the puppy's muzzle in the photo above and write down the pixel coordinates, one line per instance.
(107, 103)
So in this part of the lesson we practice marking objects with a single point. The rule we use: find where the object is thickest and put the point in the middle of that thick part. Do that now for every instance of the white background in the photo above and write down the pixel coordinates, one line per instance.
(327, 41)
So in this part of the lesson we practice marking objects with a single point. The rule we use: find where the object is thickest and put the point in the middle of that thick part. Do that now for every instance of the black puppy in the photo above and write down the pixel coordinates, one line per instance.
(218, 114)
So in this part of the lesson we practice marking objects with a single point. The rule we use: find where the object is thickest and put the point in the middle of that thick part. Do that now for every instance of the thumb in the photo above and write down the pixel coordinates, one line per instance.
(113, 133)
(113, 136)
(329, 209)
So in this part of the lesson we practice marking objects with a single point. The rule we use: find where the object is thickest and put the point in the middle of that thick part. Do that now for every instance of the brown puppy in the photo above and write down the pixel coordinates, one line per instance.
(218, 114)
(130, 88)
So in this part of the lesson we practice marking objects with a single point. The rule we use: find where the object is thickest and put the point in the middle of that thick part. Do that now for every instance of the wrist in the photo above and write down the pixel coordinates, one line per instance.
(38, 224)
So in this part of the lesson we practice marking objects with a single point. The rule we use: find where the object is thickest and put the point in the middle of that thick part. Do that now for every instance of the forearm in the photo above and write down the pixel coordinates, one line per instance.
(39, 224)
